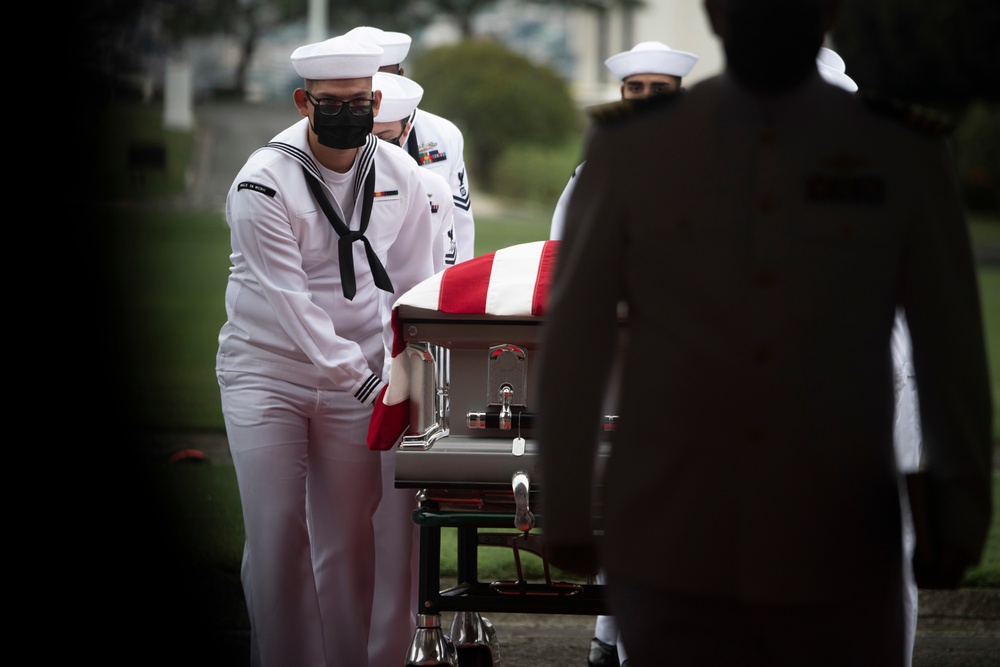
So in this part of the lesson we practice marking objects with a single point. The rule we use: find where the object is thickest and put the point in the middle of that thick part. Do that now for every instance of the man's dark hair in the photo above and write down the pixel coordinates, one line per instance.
(771, 45)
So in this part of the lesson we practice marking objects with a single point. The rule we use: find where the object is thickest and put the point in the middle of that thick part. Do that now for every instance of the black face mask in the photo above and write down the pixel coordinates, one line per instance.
(343, 131)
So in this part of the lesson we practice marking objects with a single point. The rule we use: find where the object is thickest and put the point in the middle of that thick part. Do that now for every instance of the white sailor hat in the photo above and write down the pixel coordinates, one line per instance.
(336, 58)
(651, 58)
(400, 96)
(832, 68)
(394, 44)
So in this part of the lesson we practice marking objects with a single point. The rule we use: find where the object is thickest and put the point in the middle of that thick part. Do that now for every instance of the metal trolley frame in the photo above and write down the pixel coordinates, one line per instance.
(475, 474)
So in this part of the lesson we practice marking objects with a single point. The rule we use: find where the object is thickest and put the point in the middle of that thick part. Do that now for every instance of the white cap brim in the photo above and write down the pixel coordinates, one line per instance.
(831, 59)
(836, 78)
(651, 58)
(336, 58)
(395, 45)
(400, 96)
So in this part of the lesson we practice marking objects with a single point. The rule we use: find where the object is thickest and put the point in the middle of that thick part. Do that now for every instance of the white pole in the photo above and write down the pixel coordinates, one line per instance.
(178, 95)
(317, 20)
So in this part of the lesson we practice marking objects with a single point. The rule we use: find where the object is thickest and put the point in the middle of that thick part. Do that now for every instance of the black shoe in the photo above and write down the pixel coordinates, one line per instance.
(601, 654)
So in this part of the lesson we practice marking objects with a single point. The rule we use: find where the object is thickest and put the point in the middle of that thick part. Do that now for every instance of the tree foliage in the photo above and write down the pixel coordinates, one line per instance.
(940, 54)
(496, 97)
(407, 16)
(119, 37)
(462, 13)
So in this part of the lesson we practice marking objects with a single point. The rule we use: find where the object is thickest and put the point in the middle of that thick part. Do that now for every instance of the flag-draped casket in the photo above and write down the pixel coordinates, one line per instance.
(462, 432)
(473, 429)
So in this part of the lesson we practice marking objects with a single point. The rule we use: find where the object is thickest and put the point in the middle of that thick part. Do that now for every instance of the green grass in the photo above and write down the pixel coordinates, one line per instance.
(171, 271)
(987, 574)
(989, 284)
(528, 173)
(204, 520)
(520, 223)
(134, 125)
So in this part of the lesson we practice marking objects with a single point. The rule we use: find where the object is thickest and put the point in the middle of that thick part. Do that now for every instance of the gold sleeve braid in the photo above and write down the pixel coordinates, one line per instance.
(920, 118)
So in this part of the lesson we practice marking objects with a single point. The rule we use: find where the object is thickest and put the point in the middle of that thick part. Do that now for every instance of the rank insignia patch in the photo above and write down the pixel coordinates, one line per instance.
(257, 187)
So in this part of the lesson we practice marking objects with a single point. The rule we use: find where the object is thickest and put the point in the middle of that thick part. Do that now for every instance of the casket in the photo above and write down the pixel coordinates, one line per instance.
(459, 404)
(459, 411)
(475, 429)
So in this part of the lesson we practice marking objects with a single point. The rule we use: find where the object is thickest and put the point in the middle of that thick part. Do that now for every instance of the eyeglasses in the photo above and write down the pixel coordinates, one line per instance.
(328, 106)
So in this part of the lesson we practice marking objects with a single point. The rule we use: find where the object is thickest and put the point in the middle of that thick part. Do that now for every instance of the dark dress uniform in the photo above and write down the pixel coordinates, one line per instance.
(762, 245)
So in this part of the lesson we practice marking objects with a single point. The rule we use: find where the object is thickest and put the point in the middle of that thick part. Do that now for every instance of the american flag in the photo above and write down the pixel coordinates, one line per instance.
(509, 281)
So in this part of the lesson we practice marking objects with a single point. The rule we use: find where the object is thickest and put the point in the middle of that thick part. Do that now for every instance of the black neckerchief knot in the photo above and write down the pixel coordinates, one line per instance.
(345, 246)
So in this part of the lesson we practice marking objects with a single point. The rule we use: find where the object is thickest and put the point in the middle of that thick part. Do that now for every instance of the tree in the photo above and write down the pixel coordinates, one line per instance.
(463, 12)
(497, 97)
(120, 37)
(244, 19)
(398, 15)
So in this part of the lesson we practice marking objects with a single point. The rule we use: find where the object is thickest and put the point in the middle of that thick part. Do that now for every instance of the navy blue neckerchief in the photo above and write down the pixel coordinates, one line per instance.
(347, 237)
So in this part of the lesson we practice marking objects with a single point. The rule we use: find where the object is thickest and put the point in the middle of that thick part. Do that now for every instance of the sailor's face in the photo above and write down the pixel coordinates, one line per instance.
(641, 86)
(394, 132)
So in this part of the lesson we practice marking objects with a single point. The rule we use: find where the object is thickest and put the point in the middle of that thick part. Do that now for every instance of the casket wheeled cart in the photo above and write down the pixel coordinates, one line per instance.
(469, 451)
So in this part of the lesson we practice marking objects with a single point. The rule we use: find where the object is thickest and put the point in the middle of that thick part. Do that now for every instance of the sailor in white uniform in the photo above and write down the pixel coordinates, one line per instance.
(396, 536)
(393, 123)
(324, 220)
(646, 70)
(906, 428)
(435, 142)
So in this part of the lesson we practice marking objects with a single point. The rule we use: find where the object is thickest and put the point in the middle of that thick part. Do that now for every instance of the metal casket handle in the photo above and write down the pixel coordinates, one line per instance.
(524, 520)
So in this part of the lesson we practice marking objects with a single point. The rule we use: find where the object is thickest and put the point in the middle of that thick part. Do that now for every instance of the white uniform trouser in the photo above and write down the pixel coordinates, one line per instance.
(910, 595)
(397, 554)
(907, 438)
(397, 560)
(308, 486)
(606, 629)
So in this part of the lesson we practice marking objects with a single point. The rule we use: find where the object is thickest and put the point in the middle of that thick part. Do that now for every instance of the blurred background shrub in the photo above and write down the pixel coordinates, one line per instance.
(529, 172)
(498, 99)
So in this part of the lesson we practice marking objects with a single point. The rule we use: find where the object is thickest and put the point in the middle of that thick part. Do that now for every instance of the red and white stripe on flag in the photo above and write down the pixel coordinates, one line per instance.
(507, 282)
